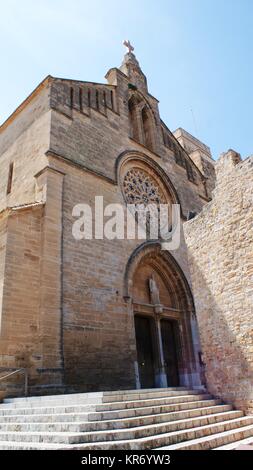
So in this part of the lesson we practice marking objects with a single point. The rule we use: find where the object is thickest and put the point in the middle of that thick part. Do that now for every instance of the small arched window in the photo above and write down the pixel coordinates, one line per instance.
(133, 119)
(147, 128)
(141, 122)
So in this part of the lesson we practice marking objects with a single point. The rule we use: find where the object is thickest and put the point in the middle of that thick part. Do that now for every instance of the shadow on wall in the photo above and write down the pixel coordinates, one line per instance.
(219, 242)
(227, 347)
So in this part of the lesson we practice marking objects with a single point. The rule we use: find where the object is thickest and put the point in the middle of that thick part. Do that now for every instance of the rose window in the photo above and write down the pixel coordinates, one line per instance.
(140, 188)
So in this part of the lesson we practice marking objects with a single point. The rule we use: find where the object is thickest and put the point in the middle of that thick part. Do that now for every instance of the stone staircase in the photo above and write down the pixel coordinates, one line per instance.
(165, 419)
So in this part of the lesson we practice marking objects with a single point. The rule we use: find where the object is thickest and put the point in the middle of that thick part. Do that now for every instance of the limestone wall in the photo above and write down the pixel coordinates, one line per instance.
(24, 142)
(95, 139)
(98, 323)
(19, 338)
(220, 250)
(24, 139)
(3, 236)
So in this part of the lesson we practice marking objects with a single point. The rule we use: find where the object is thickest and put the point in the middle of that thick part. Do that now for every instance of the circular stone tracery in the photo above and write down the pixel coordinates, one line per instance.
(140, 188)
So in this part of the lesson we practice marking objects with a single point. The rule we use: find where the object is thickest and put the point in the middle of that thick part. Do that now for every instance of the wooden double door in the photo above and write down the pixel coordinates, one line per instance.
(149, 353)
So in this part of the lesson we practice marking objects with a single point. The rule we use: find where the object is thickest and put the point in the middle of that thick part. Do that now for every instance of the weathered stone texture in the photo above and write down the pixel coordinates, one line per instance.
(200, 155)
(97, 324)
(23, 142)
(220, 246)
(74, 132)
(3, 236)
(20, 345)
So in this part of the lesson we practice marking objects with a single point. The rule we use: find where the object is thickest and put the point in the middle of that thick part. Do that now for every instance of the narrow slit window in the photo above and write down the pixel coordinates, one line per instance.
(112, 100)
(104, 96)
(10, 178)
(97, 99)
(81, 99)
(147, 128)
(71, 97)
(164, 136)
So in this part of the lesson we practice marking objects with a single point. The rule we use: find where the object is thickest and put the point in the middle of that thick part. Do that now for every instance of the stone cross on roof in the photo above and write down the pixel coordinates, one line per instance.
(128, 45)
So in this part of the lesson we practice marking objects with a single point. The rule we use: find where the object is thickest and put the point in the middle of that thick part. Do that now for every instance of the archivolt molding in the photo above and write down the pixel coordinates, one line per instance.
(167, 267)
(142, 102)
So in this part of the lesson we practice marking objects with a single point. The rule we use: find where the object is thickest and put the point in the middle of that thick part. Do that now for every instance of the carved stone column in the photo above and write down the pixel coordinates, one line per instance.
(196, 375)
(160, 374)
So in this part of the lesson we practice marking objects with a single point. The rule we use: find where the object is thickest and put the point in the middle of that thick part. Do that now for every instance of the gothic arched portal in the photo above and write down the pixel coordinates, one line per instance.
(167, 343)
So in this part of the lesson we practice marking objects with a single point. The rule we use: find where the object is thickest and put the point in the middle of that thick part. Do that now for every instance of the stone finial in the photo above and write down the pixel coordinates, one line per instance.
(226, 163)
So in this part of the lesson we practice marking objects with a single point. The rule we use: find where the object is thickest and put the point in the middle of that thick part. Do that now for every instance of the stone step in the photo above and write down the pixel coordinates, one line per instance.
(108, 415)
(152, 402)
(176, 429)
(236, 444)
(39, 398)
(148, 410)
(48, 410)
(217, 440)
(142, 396)
(82, 426)
(243, 425)
(64, 408)
(82, 400)
(105, 397)
(145, 390)
(172, 418)
(214, 433)
(15, 445)
(95, 398)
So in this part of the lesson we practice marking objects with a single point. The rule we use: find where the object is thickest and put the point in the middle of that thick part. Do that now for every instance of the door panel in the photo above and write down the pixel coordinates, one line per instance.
(144, 351)
(168, 332)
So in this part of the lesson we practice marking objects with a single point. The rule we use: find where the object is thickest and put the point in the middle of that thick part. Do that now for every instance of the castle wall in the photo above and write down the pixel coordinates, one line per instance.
(219, 243)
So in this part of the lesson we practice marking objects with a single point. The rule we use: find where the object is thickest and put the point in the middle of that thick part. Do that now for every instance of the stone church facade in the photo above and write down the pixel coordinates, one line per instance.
(79, 315)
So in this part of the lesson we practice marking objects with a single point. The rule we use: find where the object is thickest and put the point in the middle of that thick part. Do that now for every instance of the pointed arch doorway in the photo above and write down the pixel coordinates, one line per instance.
(149, 352)
(164, 323)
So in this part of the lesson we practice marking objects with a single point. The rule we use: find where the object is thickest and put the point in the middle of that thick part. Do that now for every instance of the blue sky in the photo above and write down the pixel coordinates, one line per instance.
(196, 54)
